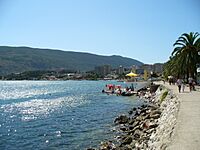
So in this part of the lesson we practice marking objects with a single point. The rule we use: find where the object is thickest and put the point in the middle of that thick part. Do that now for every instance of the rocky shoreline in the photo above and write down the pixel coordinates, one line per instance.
(148, 127)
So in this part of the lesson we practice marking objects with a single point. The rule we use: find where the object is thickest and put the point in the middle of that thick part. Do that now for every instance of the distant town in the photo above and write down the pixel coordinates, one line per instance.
(103, 72)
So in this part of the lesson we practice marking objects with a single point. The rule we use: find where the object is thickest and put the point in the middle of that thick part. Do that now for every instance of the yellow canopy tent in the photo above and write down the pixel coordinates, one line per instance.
(131, 74)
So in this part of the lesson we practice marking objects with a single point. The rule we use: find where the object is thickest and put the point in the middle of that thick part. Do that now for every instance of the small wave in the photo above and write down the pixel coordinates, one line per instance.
(33, 109)
(13, 90)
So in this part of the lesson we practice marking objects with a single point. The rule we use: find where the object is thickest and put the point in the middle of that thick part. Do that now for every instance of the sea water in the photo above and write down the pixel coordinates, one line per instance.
(70, 115)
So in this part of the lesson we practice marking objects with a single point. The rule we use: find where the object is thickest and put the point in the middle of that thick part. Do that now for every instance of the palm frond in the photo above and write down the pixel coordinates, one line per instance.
(196, 35)
(184, 39)
(176, 50)
(197, 42)
(178, 43)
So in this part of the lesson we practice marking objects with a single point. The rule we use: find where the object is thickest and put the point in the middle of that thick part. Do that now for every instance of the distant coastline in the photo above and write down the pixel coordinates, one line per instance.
(21, 59)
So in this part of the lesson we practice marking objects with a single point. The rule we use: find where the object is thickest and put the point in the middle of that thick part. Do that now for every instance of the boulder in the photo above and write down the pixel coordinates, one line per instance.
(131, 121)
(139, 118)
(127, 147)
(134, 123)
(154, 112)
(123, 128)
(131, 127)
(137, 134)
(108, 145)
(133, 144)
(130, 112)
(122, 119)
(127, 140)
(153, 107)
(150, 131)
(156, 116)
(153, 125)
(146, 117)
(134, 108)
(145, 125)
(144, 106)
(91, 149)
(153, 88)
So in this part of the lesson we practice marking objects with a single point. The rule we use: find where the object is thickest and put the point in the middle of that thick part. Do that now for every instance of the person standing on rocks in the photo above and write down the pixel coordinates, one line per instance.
(179, 84)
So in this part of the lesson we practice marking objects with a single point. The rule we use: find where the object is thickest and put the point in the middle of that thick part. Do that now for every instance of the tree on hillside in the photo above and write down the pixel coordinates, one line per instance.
(185, 56)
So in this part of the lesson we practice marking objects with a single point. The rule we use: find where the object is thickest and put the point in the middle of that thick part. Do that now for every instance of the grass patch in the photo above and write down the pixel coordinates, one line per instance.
(163, 96)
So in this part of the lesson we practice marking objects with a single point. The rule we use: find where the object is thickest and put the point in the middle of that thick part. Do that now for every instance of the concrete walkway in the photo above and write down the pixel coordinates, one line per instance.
(187, 130)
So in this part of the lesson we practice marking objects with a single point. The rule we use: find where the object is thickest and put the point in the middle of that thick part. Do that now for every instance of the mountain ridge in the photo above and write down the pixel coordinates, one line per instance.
(22, 58)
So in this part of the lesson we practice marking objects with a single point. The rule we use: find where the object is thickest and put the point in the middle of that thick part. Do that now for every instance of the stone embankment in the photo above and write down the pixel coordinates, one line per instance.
(147, 127)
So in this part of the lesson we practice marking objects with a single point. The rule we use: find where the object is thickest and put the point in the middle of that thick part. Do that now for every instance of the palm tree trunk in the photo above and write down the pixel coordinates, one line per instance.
(187, 75)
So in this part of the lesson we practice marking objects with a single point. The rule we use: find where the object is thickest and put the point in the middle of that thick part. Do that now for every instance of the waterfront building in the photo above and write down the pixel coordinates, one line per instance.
(139, 71)
(120, 70)
(156, 68)
(103, 70)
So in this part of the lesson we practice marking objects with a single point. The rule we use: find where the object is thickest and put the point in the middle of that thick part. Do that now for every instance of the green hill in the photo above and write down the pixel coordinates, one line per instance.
(19, 59)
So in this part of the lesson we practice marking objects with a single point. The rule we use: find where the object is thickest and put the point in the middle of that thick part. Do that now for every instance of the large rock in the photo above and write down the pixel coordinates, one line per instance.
(138, 111)
(153, 107)
(127, 140)
(134, 122)
(130, 112)
(108, 145)
(156, 116)
(153, 125)
(123, 128)
(122, 119)
(127, 147)
(91, 149)
(153, 88)
(137, 134)
(154, 112)
(134, 109)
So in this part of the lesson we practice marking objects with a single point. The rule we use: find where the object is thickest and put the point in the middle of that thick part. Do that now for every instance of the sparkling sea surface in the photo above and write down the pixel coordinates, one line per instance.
(70, 115)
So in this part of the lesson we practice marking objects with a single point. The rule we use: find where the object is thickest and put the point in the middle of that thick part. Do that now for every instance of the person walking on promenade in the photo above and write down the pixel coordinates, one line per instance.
(179, 84)
(183, 85)
(170, 79)
(190, 81)
(193, 85)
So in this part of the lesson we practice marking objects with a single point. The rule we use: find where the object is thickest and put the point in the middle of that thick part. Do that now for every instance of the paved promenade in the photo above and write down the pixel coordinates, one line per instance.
(187, 131)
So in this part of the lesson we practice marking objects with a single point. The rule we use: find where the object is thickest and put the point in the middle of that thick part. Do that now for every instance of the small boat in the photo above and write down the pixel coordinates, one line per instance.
(131, 93)
(108, 91)
(118, 90)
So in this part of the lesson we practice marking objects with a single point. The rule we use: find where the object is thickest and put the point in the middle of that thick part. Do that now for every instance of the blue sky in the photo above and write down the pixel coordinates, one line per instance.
(141, 29)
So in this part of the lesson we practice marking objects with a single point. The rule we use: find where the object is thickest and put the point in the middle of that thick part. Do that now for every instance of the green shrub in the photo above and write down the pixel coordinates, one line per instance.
(163, 96)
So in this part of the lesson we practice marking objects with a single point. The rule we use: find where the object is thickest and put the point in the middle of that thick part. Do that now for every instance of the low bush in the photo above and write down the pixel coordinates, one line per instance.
(163, 96)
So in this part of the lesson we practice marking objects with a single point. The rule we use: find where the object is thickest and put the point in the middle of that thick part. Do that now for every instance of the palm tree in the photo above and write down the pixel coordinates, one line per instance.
(185, 54)
(170, 67)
